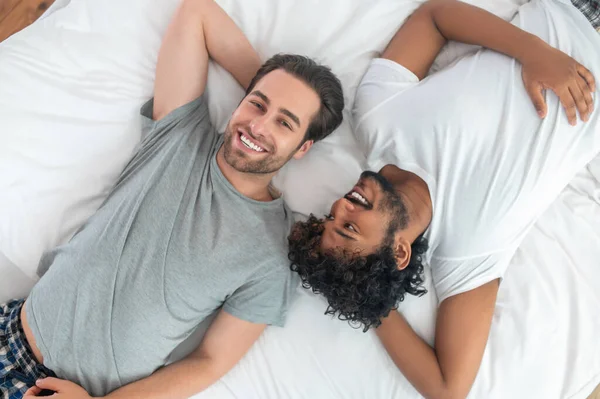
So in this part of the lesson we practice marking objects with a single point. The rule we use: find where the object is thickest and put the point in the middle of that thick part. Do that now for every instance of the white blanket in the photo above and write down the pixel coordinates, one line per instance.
(70, 89)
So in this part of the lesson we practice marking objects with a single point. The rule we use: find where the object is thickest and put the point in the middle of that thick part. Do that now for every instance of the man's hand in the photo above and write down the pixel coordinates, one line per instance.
(548, 68)
(421, 38)
(62, 389)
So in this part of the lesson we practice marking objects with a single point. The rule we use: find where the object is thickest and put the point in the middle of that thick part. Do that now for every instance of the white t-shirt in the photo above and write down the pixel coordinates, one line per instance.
(472, 134)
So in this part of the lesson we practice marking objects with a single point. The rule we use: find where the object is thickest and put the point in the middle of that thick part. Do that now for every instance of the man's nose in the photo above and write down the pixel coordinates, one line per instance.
(342, 207)
(258, 126)
(348, 205)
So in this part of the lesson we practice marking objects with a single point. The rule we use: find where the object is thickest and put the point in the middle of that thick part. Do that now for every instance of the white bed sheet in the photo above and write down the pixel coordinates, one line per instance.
(70, 88)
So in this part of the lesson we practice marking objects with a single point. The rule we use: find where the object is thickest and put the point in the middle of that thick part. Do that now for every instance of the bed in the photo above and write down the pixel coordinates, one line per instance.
(70, 89)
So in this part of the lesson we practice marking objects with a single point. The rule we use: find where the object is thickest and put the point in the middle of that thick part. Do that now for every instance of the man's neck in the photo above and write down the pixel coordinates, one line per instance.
(253, 186)
(416, 197)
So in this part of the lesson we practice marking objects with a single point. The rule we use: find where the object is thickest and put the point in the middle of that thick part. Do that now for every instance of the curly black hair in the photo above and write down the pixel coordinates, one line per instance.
(359, 289)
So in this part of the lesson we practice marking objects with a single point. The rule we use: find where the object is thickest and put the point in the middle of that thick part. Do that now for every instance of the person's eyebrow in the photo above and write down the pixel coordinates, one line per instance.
(346, 236)
(284, 111)
(290, 115)
(261, 95)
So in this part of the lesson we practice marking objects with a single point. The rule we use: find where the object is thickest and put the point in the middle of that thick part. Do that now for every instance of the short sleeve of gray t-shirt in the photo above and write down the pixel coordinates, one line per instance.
(263, 300)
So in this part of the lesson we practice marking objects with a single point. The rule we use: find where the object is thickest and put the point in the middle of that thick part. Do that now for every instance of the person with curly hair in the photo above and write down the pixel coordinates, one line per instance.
(360, 289)
(464, 166)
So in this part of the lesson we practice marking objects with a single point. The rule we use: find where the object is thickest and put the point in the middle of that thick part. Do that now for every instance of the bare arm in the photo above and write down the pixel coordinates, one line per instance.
(225, 343)
(448, 370)
(420, 39)
(200, 29)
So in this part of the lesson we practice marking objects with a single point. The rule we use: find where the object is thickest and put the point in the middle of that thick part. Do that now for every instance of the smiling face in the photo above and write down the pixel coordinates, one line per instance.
(363, 257)
(269, 126)
(366, 218)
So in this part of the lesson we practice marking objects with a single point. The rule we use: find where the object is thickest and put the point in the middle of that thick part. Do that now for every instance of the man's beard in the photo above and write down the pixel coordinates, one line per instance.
(239, 161)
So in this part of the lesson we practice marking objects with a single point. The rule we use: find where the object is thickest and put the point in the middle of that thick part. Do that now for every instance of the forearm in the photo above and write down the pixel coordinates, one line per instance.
(464, 23)
(202, 29)
(226, 341)
(413, 356)
(227, 44)
(178, 380)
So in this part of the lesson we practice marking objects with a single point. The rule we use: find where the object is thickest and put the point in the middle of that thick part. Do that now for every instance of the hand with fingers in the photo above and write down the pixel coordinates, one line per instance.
(62, 389)
(548, 68)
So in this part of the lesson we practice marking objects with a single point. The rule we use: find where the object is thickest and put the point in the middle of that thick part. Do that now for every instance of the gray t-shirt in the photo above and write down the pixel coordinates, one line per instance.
(172, 243)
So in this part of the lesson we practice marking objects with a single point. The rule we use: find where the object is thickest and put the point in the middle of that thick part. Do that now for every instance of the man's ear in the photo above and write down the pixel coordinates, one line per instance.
(402, 251)
(303, 149)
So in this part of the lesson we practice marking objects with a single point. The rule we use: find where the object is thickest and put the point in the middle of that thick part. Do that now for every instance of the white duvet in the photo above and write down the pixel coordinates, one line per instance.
(70, 89)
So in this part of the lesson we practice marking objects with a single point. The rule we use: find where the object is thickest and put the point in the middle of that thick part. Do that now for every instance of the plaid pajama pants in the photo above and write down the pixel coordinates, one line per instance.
(18, 368)
(591, 10)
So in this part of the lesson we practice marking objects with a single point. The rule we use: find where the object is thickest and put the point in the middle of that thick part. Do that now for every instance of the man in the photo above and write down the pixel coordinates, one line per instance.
(191, 228)
(465, 165)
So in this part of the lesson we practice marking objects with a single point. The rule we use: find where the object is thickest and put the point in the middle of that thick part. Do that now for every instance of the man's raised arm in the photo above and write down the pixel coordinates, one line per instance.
(200, 29)
(418, 42)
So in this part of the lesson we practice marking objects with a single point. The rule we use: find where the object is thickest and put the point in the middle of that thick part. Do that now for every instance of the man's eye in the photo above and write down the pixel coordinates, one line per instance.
(285, 124)
(257, 105)
(329, 216)
(350, 227)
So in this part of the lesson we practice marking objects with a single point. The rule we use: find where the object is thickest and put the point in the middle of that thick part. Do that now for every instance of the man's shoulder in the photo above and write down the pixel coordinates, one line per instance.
(273, 243)
(276, 222)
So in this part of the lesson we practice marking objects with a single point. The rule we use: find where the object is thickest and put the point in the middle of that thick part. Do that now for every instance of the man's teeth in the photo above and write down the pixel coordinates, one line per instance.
(359, 197)
(250, 144)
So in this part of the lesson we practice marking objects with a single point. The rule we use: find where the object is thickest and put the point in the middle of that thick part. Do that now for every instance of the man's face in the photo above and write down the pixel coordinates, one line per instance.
(360, 220)
(268, 127)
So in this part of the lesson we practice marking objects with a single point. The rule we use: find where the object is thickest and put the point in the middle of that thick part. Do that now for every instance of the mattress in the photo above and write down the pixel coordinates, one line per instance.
(70, 89)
